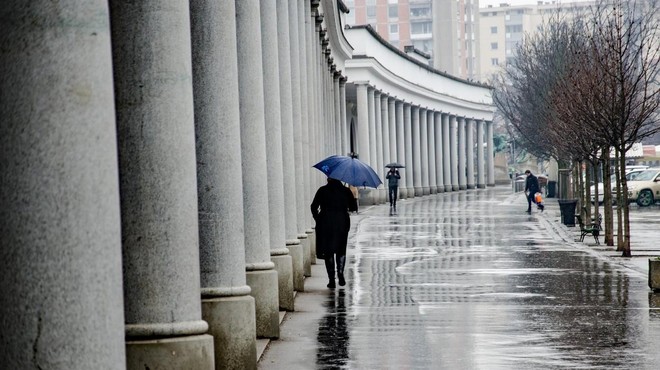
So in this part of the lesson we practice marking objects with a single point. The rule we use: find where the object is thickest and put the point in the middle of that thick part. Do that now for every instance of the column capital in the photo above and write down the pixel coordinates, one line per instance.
(318, 18)
(315, 4)
(342, 80)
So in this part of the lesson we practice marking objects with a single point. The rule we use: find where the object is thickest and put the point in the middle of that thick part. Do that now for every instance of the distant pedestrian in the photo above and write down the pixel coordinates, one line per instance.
(330, 208)
(531, 188)
(393, 185)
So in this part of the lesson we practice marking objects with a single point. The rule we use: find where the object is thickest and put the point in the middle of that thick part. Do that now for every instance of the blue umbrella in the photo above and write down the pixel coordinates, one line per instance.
(349, 170)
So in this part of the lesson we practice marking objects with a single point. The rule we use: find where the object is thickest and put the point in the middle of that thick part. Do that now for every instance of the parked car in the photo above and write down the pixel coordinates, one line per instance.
(631, 174)
(645, 188)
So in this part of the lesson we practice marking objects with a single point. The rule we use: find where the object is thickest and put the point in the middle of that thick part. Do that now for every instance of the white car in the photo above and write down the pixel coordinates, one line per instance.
(645, 188)
(630, 175)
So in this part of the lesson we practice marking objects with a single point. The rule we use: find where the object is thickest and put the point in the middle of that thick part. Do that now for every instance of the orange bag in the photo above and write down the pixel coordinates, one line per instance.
(538, 198)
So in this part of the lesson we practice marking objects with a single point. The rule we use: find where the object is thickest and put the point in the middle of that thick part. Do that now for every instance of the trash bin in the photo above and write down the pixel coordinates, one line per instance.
(567, 209)
(551, 189)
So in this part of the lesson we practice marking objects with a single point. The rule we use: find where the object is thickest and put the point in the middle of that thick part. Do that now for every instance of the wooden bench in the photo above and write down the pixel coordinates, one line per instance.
(591, 229)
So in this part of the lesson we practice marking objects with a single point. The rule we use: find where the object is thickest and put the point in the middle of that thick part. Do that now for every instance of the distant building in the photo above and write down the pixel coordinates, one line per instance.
(416, 22)
(502, 29)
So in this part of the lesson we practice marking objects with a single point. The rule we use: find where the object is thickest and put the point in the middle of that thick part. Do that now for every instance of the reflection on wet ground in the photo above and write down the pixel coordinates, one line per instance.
(469, 281)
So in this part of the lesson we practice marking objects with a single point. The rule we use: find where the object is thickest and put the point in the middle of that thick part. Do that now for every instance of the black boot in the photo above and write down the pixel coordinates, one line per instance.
(330, 269)
(341, 262)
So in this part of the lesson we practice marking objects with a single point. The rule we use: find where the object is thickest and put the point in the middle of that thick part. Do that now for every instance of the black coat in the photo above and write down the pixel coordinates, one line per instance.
(330, 208)
(532, 184)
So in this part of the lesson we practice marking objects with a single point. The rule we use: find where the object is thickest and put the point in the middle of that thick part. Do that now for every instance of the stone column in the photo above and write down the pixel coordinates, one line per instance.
(400, 147)
(279, 254)
(461, 154)
(226, 302)
(60, 234)
(387, 158)
(392, 126)
(378, 165)
(296, 249)
(470, 154)
(345, 137)
(313, 154)
(408, 190)
(373, 158)
(439, 153)
(337, 124)
(261, 275)
(490, 165)
(481, 178)
(453, 142)
(305, 121)
(362, 121)
(446, 152)
(424, 153)
(430, 121)
(416, 153)
(158, 186)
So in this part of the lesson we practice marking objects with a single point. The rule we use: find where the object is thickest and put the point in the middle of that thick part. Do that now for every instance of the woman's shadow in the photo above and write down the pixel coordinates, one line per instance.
(333, 338)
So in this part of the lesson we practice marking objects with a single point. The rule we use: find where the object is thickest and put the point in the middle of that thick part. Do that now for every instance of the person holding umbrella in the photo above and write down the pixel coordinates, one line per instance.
(393, 185)
(330, 208)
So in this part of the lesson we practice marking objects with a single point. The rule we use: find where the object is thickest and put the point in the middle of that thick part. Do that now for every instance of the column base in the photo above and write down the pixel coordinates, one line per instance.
(441, 189)
(307, 262)
(455, 188)
(232, 325)
(481, 186)
(311, 237)
(462, 187)
(367, 197)
(471, 186)
(419, 191)
(403, 193)
(189, 352)
(491, 184)
(426, 190)
(266, 302)
(296, 253)
(284, 268)
(448, 188)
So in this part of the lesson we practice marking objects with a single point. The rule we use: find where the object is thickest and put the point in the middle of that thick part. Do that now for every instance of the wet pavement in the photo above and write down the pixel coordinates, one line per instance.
(468, 280)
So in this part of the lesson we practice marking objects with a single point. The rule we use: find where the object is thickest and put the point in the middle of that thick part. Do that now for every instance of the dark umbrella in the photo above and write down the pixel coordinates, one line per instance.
(349, 170)
(394, 165)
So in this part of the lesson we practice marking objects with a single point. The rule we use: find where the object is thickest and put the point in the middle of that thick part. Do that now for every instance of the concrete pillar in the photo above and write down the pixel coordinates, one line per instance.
(373, 158)
(490, 164)
(470, 154)
(408, 190)
(392, 126)
(385, 127)
(424, 146)
(288, 155)
(297, 255)
(158, 187)
(430, 121)
(362, 121)
(345, 137)
(337, 124)
(60, 234)
(461, 154)
(453, 142)
(481, 174)
(226, 302)
(400, 139)
(416, 153)
(446, 152)
(279, 254)
(378, 130)
(439, 152)
(305, 121)
(261, 275)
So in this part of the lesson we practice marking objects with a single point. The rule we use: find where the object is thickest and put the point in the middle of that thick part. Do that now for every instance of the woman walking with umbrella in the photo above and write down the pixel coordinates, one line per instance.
(330, 208)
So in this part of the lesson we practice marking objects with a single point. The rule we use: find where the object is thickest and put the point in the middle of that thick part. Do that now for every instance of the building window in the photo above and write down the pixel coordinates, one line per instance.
(394, 28)
(493, 46)
(421, 28)
(494, 62)
(515, 28)
(493, 29)
(371, 11)
(393, 11)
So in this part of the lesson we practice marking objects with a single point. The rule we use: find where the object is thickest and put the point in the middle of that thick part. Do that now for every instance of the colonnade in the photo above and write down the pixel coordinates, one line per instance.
(441, 151)
(156, 163)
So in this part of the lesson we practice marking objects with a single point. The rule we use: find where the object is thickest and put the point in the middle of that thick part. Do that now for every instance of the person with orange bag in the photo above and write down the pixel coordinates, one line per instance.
(531, 188)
